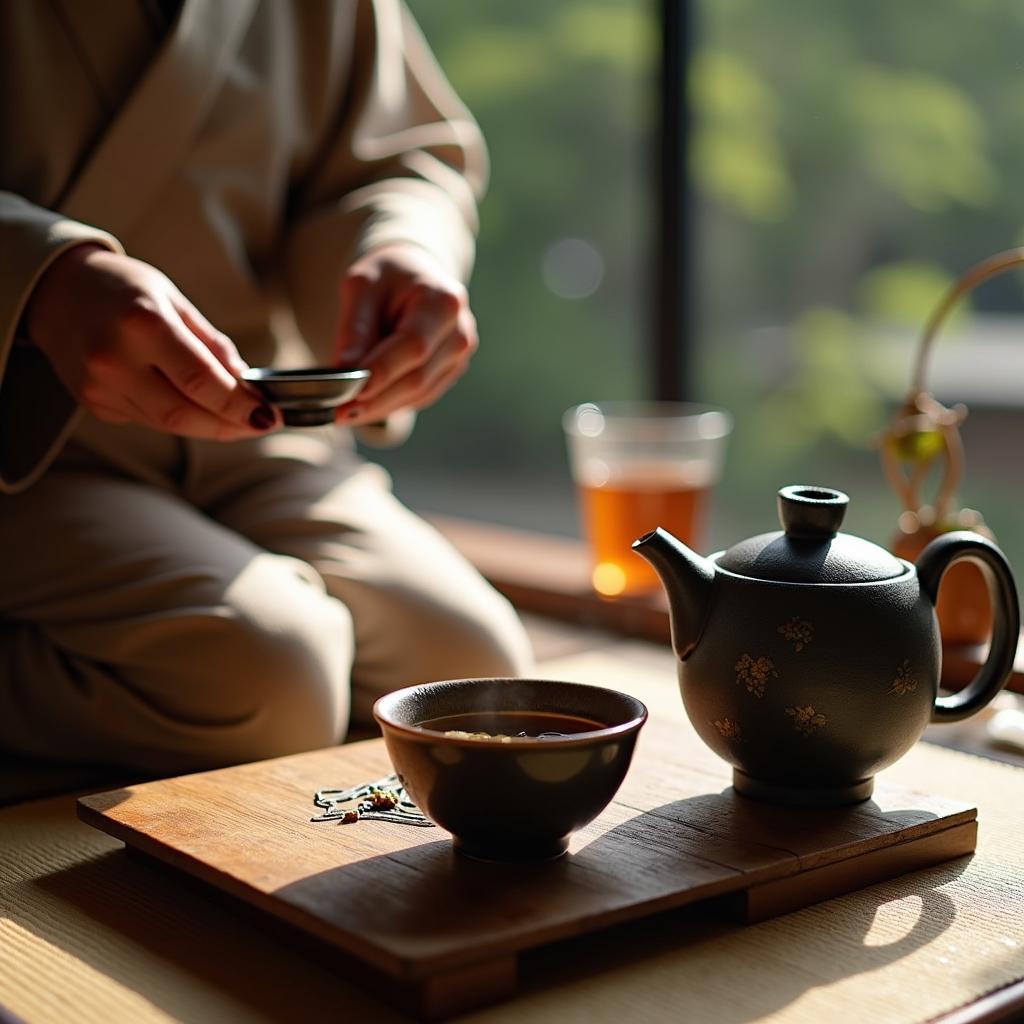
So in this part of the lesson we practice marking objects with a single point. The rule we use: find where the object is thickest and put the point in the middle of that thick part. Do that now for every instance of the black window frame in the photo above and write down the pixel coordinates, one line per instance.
(671, 361)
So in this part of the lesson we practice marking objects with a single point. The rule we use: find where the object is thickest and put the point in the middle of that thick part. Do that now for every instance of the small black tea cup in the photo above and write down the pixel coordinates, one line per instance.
(307, 397)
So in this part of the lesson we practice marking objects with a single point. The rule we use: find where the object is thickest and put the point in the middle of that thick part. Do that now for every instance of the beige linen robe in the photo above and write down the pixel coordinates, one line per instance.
(261, 149)
(250, 150)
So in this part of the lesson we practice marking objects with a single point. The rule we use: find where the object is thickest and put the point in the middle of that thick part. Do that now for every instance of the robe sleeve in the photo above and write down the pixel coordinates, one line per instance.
(401, 161)
(36, 411)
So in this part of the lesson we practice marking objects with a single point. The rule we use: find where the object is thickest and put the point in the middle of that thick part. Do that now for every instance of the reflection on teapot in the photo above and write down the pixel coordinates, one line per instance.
(809, 659)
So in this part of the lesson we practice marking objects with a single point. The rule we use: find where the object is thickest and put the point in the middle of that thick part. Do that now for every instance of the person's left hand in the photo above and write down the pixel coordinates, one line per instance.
(405, 318)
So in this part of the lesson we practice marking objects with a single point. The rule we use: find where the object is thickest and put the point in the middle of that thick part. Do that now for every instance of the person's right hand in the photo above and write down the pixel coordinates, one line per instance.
(132, 349)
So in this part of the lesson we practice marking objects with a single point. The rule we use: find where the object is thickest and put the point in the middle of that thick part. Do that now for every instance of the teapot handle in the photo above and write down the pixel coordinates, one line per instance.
(944, 552)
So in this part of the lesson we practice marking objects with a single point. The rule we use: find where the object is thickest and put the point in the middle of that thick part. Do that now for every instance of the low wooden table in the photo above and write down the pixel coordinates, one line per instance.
(88, 935)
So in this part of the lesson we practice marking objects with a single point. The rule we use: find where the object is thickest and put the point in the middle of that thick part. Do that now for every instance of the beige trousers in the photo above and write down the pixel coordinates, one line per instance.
(182, 605)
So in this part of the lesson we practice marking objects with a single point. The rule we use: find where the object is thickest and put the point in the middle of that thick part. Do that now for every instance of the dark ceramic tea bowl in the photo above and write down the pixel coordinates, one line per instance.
(521, 798)
(309, 396)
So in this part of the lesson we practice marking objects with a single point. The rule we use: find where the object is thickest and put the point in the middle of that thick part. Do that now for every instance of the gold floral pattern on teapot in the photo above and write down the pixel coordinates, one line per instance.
(806, 720)
(798, 632)
(905, 682)
(729, 729)
(754, 673)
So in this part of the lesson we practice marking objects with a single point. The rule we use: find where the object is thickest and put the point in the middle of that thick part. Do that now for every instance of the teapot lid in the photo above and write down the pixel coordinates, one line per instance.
(810, 548)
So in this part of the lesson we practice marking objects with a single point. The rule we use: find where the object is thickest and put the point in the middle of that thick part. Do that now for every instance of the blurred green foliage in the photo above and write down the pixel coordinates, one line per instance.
(564, 95)
(737, 157)
(849, 160)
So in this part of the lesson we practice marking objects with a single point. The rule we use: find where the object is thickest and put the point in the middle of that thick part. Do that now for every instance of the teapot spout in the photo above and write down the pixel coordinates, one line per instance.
(687, 579)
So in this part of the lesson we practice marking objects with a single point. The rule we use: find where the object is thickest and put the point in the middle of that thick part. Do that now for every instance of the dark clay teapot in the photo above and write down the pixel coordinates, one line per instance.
(809, 659)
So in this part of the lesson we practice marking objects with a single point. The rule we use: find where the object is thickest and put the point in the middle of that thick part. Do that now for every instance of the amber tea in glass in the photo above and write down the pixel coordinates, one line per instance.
(637, 466)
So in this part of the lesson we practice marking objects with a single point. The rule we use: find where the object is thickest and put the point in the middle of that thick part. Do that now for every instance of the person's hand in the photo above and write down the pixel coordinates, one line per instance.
(132, 349)
(405, 318)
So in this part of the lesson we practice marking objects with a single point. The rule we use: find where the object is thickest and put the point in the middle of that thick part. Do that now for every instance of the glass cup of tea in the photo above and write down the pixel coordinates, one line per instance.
(638, 465)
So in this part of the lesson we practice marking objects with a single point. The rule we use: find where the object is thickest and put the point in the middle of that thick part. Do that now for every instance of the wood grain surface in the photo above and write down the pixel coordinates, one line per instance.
(92, 936)
(447, 928)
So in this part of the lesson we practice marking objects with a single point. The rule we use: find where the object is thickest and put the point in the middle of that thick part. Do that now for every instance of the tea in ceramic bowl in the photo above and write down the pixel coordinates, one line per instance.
(511, 767)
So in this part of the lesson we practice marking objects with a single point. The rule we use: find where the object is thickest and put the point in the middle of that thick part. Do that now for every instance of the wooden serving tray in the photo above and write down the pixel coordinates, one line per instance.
(438, 933)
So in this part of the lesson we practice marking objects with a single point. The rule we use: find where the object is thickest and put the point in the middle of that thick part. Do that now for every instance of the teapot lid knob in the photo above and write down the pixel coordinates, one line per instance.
(811, 512)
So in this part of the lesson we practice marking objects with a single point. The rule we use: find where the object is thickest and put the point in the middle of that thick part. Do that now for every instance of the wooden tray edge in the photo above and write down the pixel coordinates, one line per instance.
(168, 855)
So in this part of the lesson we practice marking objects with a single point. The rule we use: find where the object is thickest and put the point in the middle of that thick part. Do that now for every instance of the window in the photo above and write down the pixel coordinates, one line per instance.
(848, 161)
(852, 160)
(565, 97)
